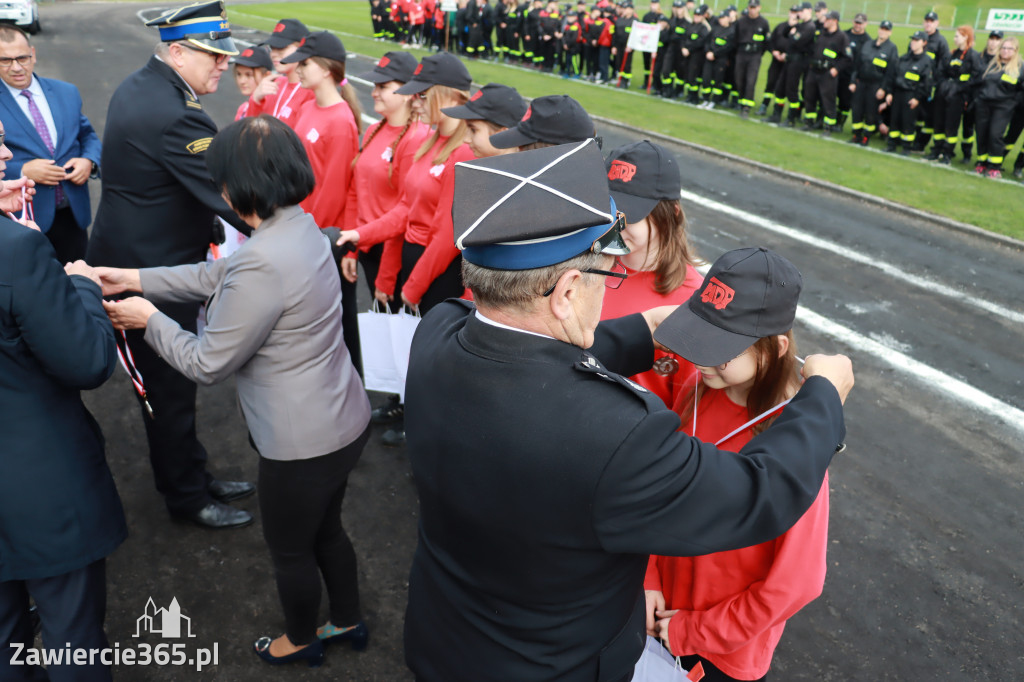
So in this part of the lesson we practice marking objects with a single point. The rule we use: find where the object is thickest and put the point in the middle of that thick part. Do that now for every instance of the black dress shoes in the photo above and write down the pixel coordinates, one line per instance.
(219, 515)
(225, 491)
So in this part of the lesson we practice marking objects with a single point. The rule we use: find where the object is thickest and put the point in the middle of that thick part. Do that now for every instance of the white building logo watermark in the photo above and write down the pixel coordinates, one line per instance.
(168, 623)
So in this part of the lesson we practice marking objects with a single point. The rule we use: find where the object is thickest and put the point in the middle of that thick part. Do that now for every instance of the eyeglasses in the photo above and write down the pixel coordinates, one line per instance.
(613, 277)
(22, 59)
(3, 136)
(218, 59)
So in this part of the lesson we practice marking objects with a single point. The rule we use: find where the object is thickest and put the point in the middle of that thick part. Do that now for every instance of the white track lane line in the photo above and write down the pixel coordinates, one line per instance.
(857, 257)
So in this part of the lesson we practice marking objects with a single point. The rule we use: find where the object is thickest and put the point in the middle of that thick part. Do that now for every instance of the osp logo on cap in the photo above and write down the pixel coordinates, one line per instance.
(476, 95)
(279, 28)
(528, 114)
(718, 294)
(302, 42)
(247, 52)
(623, 171)
(419, 67)
(384, 61)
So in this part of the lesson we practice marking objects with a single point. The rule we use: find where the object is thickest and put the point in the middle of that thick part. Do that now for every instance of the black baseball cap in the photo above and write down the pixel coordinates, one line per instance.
(393, 66)
(832, 14)
(679, 3)
(747, 294)
(554, 119)
(702, 9)
(286, 32)
(860, 18)
(821, 4)
(256, 57)
(886, 24)
(931, 16)
(320, 44)
(919, 35)
(494, 102)
(996, 34)
(639, 176)
(535, 208)
(753, 3)
(442, 68)
(806, 5)
(794, 8)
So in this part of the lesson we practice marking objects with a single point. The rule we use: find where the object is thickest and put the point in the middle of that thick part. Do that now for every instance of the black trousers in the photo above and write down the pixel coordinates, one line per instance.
(1014, 131)
(843, 94)
(447, 285)
(300, 503)
(902, 126)
(68, 239)
(775, 70)
(175, 453)
(714, 78)
(864, 111)
(694, 66)
(672, 74)
(711, 672)
(71, 608)
(820, 88)
(748, 66)
(991, 119)
(948, 112)
(788, 87)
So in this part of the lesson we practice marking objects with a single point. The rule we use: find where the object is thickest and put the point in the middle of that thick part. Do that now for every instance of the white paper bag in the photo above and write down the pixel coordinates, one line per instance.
(380, 372)
(656, 664)
(403, 327)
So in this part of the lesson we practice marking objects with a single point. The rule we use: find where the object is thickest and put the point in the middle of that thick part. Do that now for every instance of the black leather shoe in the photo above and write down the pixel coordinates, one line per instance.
(218, 515)
(225, 491)
(393, 438)
(313, 654)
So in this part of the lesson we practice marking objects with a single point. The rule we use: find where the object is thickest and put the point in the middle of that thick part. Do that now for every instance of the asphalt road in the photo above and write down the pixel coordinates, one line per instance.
(926, 547)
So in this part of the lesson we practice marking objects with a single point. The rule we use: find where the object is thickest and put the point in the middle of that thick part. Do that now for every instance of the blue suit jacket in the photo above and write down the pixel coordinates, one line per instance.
(59, 509)
(75, 138)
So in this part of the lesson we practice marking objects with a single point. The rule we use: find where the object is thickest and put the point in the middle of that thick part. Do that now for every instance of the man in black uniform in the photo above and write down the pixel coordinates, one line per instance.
(831, 54)
(937, 49)
(159, 207)
(652, 61)
(752, 32)
(857, 35)
(778, 45)
(672, 75)
(716, 61)
(874, 71)
(694, 45)
(912, 84)
(622, 56)
(537, 517)
(532, 55)
(801, 42)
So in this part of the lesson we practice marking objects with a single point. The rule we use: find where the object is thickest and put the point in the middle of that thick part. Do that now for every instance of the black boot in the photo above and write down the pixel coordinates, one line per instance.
(776, 116)
(763, 109)
(936, 151)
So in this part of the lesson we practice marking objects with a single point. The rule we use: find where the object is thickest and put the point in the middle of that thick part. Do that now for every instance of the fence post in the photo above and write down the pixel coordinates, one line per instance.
(953, 23)
(977, 19)
(909, 9)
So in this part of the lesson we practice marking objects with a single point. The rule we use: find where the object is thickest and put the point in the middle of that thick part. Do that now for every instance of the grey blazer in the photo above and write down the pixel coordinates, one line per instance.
(274, 319)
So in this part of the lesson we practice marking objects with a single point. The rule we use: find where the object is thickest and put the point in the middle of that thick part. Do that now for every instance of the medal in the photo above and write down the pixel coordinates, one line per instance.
(666, 365)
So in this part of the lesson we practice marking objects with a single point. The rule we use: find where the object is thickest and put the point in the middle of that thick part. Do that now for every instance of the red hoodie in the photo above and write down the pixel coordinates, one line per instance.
(284, 104)
(734, 605)
(331, 139)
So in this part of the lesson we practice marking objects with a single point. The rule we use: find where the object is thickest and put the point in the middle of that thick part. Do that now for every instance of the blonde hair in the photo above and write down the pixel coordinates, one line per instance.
(348, 93)
(675, 252)
(1011, 67)
(435, 95)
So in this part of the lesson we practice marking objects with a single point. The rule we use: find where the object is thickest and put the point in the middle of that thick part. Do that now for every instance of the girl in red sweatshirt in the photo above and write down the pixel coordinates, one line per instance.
(644, 181)
(379, 170)
(727, 610)
(441, 81)
(281, 95)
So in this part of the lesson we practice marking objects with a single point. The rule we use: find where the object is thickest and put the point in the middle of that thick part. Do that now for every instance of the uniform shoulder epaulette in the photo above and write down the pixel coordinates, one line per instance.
(591, 365)
(191, 101)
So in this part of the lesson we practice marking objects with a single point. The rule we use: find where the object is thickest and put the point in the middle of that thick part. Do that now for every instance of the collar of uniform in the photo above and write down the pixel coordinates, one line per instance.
(497, 343)
(168, 72)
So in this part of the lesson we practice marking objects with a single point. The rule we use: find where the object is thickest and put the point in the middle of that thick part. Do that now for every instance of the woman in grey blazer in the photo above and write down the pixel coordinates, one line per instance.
(274, 321)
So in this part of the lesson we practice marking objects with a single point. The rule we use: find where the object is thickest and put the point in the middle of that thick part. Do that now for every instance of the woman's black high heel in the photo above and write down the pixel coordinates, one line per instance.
(312, 654)
(358, 635)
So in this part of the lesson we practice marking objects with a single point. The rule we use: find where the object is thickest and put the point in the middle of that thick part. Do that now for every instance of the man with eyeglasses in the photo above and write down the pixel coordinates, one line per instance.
(545, 476)
(53, 144)
(159, 208)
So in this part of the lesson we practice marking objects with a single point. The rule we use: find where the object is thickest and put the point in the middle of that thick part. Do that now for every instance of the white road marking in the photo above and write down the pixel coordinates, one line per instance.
(888, 268)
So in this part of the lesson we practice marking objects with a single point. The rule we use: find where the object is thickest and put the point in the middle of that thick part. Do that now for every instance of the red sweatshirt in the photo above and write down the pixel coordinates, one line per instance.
(331, 139)
(370, 193)
(734, 605)
(414, 216)
(283, 105)
(243, 110)
(635, 295)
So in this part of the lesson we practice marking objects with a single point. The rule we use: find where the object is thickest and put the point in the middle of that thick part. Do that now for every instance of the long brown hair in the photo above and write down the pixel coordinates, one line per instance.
(775, 380)
(394, 145)
(435, 95)
(675, 252)
(348, 93)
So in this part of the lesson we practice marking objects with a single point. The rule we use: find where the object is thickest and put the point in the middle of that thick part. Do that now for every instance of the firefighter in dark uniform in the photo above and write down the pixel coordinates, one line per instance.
(801, 42)
(911, 87)
(858, 35)
(672, 75)
(694, 47)
(158, 207)
(778, 45)
(954, 79)
(716, 61)
(652, 16)
(622, 57)
(550, 42)
(874, 71)
(532, 54)
(534, 533)
(513, 32)
(937, 49)
(752, 33)
(967, 137)
(831, 54)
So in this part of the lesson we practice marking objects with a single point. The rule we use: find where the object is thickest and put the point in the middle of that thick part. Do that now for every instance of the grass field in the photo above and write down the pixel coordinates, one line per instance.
(948, 191)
